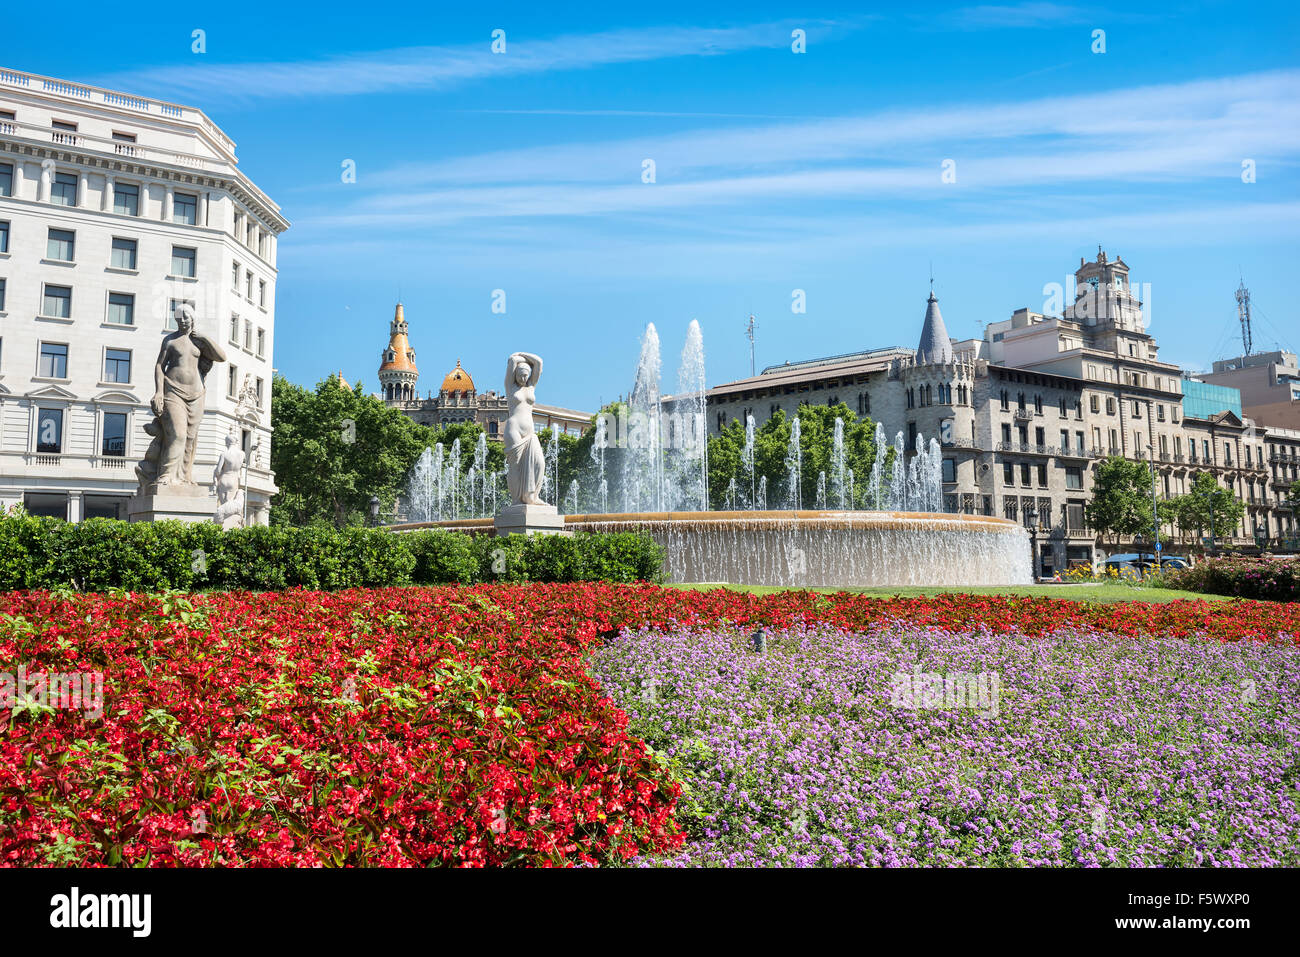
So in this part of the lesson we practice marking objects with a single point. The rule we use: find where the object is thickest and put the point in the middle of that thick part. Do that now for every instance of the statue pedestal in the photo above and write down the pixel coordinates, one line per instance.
(530, 520)
(194, 504)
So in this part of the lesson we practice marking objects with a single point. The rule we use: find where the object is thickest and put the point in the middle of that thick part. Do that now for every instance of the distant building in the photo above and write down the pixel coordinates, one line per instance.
(457, 399)
(1024, 414)
(1269, 383)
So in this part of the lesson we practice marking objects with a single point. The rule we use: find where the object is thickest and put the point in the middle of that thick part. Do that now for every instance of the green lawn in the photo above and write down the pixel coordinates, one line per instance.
(1103, 592)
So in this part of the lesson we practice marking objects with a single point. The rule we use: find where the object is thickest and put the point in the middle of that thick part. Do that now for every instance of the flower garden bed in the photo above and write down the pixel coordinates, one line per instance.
(459, 725)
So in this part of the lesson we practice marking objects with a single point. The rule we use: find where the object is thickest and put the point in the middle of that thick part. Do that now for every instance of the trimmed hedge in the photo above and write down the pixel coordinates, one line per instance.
(1270, 579)
(98, 554)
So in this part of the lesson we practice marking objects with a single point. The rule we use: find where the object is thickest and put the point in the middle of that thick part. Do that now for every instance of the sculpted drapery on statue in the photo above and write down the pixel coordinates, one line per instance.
(183, 362)
(525, 463)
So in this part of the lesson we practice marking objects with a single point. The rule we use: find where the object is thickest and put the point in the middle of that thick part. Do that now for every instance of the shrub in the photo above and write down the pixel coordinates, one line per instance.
(99, 554)
(1273, 579)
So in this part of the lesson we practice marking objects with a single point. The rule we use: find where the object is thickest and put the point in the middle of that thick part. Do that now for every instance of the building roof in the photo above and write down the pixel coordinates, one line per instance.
(458, 380)
(935, 346)
(774, 377)
(399, 356)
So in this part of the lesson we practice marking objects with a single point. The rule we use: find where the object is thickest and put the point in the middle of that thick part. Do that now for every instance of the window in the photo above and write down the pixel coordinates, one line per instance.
(126, 199)
(1038, 404)
(261, 343)
(114, 434)
(1024, 474)
(1205, 449)
(234, 329)
(261, 243)
(1006, 433)
(1160, 413)
(61, 245)
(232, 382)
(64, 190)
(1137, 409)
(183, 261)
(1078, 439)
(49, 430)
(1008, 473)
(53, 360)
(258, 392)
(1005, 400)
(234, 277)
(949, 465)
(248, 286)
(1042, 476)
(117, 365)
(1040, 438)
(121, 309)
(1073, 477)
(6, 179)
(1065, 441)
(57, 302)
(248, 236)
(1110, 406)
(1227, 453)
(123, 254)
(261, 297)
(1062, 407)
(248, 334)
(4, 235)
(2, 295)
(185, 209)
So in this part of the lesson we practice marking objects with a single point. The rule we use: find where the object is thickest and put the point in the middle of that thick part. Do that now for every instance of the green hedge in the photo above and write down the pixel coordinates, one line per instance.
(99, 554)
(1271, 579)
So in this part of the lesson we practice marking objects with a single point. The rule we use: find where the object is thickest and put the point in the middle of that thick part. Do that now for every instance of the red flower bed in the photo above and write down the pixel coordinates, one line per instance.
(396, 726)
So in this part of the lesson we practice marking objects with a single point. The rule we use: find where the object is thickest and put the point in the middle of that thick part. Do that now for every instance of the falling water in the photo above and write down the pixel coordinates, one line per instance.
(571, 498)
(837, 465)
(747, 462)
(422, 489)
(897, 497)
(794, 467)
(730, 498)
(762, 493)
(820, 499)
(875, 486)
(642, 484)
(598, 459)
(686, 476)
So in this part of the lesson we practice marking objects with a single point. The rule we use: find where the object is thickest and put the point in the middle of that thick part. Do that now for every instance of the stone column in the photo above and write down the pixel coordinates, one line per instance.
(44, 182)
(106, 199)
(75, 510)
(83, 189)
(169, 198)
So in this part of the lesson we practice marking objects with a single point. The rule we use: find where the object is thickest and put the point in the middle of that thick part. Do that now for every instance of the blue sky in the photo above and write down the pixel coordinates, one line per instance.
(774, 171)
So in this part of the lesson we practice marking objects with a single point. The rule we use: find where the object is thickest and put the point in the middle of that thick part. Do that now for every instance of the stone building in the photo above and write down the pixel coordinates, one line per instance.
(1024, 414)
(457, 399)
(116, 209)
(1269, 383)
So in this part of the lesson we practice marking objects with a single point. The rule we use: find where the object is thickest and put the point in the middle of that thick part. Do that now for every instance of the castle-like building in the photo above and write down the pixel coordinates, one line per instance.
(458, 399)
(1025, 413)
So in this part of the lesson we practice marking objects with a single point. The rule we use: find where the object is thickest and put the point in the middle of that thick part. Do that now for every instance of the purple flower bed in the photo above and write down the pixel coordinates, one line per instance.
(1078, 749)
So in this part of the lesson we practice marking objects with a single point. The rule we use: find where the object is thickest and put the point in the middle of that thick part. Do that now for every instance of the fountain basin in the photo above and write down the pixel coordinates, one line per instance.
(818, 548)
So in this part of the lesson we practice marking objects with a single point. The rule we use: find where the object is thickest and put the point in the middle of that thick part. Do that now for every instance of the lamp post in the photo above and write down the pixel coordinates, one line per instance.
(374, 511)
(1031, 518)
(1155, 507)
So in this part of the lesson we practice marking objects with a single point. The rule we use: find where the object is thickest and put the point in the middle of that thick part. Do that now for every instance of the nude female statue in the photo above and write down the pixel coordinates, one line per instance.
(525, 463)
(183, 362)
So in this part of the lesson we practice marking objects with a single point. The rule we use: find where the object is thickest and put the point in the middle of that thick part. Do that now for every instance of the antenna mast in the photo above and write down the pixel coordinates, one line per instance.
(1243, 313)
(749, 334)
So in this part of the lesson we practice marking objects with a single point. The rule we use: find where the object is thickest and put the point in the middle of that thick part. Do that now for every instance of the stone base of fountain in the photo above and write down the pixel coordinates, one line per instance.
(804, 548)
(827, 548)
(530, 520)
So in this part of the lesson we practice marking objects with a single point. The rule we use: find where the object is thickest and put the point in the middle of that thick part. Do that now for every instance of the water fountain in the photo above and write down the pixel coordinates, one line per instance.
(652, 463)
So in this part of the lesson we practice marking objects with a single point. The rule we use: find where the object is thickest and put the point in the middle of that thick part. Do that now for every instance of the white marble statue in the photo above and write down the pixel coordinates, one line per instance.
(525, 462)
(225, 482)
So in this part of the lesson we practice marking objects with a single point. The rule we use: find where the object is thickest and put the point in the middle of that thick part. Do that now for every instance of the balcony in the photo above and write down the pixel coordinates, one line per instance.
(959, 444)
(1023, 415)
(1027, 448)
(99, 144)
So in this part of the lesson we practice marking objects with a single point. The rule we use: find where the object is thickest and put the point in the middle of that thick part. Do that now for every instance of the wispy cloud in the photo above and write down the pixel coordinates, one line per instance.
(1020, 15)
(1191, 132)
(443, 67)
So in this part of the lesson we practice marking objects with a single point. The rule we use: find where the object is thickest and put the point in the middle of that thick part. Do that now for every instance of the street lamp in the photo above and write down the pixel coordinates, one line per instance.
(1031, 518)
(374, 511)
(1155, 508)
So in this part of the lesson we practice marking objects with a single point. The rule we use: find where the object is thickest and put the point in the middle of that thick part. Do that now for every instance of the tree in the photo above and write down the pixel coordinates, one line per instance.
(771, 447)
(1121, 498)
(1209, 508)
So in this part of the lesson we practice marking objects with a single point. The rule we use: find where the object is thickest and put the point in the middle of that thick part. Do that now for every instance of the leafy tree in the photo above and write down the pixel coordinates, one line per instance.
(771, 445)
(1209, 508)
(335, 447)
(1121, 498)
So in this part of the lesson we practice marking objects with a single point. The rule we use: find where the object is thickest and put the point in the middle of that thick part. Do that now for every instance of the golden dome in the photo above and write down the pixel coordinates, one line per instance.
(458, 380)
(343, 383)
